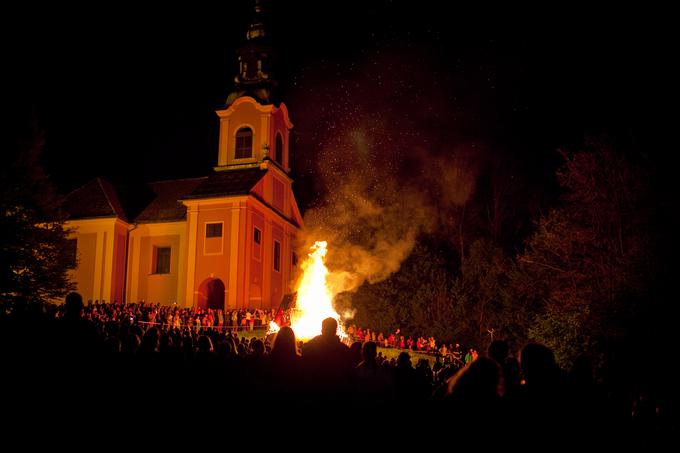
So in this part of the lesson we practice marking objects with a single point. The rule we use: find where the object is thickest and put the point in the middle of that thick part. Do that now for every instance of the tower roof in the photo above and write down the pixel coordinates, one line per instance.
(254, 77)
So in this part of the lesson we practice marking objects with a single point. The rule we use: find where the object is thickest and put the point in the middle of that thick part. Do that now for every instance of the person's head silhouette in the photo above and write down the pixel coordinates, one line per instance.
(329, 327)
(498, 350)
(538, 364)
(73, 305)
(284, 342)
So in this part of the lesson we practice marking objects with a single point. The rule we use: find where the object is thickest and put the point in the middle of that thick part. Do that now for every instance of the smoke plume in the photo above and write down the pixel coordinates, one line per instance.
(386, 170)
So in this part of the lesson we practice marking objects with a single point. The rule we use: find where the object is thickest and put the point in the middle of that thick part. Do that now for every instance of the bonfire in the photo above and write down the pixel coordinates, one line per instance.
(314, 301)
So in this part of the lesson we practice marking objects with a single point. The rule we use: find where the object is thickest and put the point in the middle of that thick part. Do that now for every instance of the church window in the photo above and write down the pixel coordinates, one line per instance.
(213, 230)
(71, 253)
(277, 256)
(278, 155)
(162, 260)
(244, 143)
(257, 236)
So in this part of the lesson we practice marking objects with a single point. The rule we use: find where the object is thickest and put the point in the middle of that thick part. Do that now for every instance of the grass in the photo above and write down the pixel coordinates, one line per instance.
(415, 356)
(386, 352)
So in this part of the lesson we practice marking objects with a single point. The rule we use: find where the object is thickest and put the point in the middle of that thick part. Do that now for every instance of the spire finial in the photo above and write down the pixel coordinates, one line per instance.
(256, 29)
(254, 75)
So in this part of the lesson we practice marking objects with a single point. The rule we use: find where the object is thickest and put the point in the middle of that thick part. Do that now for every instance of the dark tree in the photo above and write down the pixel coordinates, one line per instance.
(418, 298)
(588, 265)
(34, 250)
(480, 294)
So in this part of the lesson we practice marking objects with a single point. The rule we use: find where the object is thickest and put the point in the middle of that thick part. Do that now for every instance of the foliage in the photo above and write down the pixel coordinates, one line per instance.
(33, 243)
(582, 280)
(563, 333)
(483, 307)
(426, 297)
(418, 299)
(589, 258)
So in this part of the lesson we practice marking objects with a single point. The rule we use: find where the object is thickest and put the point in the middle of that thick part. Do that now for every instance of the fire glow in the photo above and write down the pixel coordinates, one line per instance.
(314, 299)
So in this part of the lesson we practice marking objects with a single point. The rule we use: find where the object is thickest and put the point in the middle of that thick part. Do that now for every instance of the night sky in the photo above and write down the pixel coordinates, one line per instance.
(130, 94)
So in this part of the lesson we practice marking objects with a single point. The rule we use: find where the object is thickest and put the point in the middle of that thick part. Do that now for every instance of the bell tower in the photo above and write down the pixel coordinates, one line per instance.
(254, 131)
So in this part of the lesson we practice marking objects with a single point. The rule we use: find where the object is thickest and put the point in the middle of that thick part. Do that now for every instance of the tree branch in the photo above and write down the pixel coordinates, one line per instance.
(544, 265)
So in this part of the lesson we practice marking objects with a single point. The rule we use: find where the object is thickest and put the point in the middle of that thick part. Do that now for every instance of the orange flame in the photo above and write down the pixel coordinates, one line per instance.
(314, 298)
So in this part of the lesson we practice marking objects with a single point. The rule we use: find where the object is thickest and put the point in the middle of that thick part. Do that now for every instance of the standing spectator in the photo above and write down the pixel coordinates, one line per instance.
(234, 321)
(327, 363)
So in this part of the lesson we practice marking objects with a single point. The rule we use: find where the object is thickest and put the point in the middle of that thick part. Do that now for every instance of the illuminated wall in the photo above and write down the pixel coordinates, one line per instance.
(101, 257)
(144, 283)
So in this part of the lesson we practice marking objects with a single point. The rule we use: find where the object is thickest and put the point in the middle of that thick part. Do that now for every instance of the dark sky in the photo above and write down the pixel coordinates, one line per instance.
(128, 93)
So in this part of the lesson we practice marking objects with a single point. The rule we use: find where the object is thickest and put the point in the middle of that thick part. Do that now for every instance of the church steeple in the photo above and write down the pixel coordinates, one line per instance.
(254, 129)
(254, 77)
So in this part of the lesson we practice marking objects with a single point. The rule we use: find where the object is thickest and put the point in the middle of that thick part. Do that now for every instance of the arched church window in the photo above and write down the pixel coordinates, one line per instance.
(244, 143)
(278, 155)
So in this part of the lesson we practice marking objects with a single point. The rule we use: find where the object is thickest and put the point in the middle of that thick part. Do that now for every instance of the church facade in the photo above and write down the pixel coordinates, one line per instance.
(221, 241)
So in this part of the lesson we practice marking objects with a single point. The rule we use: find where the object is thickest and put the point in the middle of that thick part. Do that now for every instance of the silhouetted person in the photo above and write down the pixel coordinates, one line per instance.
(78, 348)
(284, 349)
(424, 379)
(498, 350)
(372, 381)
(512, 378)
(78, 337)
(586, 400)
(73, 306)
(327, 363)
(257, 364)
(542, 400)
(355, 352)
(405, 379)
(474, 394)
(151, 341)
(285, 365)
(205, 346)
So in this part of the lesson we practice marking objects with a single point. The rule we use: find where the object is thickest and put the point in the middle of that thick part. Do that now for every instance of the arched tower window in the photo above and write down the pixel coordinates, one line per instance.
(244, 143)
(278, 155)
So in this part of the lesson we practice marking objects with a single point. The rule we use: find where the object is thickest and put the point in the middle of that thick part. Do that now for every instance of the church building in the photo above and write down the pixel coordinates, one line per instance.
(225, 240)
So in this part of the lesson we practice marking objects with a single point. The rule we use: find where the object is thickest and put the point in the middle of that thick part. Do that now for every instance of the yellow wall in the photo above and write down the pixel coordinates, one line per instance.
(143, 283)
(246, 115)
(98, 250)
(119, 250)
(83, 275)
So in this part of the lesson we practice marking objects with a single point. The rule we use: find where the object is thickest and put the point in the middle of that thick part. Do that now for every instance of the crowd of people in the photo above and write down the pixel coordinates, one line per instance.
(242, 320)
(154, 352)
(171, 316)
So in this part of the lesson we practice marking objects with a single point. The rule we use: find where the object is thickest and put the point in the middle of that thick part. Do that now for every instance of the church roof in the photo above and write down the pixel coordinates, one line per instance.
(156, 201)
(227, 183)
(97, 198)
(165, 207)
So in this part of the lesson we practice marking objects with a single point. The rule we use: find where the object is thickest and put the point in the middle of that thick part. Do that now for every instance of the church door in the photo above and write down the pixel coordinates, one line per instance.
(211, 294)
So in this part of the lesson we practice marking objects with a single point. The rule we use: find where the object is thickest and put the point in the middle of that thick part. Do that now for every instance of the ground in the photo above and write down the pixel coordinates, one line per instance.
(387, 352)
